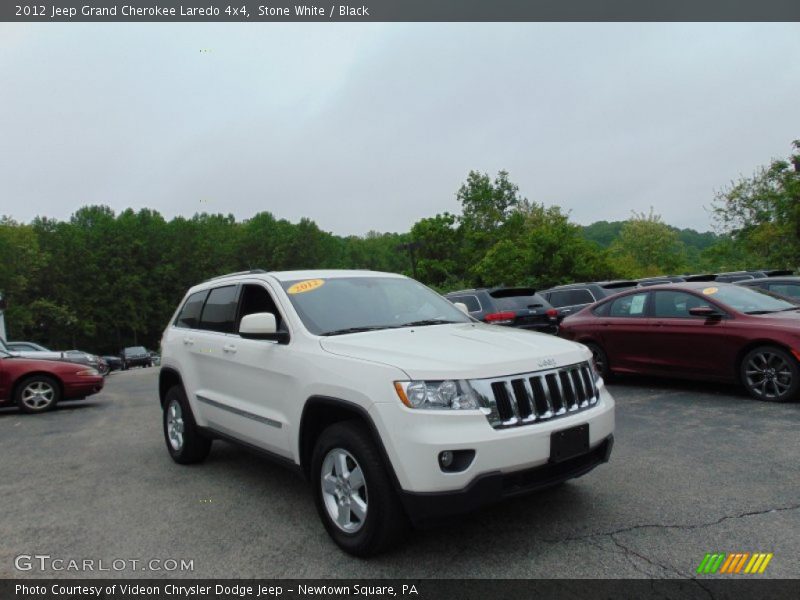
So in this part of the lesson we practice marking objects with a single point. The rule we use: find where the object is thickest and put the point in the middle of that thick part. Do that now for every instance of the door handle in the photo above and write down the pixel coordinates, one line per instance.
(229, 348)
(187, 341)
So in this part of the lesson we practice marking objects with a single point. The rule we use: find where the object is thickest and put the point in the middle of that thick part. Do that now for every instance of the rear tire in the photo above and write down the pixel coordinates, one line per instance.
(353, 492)
(185, 444)
(770, 374)
(600, 359)
(37, 394)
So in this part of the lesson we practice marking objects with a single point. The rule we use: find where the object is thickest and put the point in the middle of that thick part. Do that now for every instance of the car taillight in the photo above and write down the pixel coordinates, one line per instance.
(552, 313)
(500, 318)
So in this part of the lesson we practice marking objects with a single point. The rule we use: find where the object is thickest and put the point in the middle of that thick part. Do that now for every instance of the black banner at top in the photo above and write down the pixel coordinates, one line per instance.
(398, 10)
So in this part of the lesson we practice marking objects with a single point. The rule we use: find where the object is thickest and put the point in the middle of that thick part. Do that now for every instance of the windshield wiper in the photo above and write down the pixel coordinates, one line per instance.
(760, 312)
(354, 330)
(427, 322)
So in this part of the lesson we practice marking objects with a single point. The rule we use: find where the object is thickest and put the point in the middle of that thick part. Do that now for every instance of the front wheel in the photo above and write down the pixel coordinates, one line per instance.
(353, 492)
(37, 394)
(770, 374)
(185, 443)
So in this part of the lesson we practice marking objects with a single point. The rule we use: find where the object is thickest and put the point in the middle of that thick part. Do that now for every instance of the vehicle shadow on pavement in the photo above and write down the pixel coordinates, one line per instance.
(11, 410)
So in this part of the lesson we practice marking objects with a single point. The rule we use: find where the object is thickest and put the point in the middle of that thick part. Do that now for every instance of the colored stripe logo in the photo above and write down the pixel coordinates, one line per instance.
(744, 563)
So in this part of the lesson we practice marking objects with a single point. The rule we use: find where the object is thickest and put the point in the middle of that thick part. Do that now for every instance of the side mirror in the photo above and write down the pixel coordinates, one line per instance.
(262, 326)
(462, 307)
(705, 311)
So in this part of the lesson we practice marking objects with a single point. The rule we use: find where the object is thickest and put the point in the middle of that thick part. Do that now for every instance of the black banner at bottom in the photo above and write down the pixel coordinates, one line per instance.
(390, 589)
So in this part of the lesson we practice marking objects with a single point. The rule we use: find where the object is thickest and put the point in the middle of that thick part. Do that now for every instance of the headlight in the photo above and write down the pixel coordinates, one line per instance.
(88, 373)
(442, 395)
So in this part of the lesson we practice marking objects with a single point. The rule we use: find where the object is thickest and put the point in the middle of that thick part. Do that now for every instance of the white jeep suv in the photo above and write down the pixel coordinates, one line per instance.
(395, 404)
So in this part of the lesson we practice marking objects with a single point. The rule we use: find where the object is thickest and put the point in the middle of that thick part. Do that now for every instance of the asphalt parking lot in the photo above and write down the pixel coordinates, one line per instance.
(696, 468)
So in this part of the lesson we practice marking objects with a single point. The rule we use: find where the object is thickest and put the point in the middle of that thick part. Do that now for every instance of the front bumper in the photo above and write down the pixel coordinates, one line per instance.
(423, 508)
(77, 390)
(414, 439)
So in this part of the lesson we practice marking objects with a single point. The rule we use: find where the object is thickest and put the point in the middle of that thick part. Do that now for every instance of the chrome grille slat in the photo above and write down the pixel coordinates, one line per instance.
(538, 396)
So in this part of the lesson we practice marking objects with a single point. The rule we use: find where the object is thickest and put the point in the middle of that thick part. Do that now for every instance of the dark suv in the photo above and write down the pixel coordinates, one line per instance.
(135, 356)
(514, 307)
(572, 297)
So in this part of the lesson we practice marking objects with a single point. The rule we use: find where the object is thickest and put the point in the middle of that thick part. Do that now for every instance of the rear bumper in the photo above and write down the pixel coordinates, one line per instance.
(425, 507)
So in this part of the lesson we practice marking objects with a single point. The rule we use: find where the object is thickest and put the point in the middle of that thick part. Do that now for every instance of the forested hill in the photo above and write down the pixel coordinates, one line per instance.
(603, 233)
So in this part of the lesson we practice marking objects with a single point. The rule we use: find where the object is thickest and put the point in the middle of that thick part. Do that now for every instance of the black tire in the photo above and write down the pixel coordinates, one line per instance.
(770, 374)
(385, 522)
(37, 394)
(600, 359)
(190, 446)
(104, 370)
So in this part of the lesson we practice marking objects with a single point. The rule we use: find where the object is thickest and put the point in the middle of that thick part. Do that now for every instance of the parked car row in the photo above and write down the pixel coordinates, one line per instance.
(572, 297)
(737, 327)
(135, 356)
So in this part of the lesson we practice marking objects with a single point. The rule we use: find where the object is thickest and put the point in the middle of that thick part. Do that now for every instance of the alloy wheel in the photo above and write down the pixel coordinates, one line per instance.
(768, 375)
(175, 425)
(344, 490)
(38, 395)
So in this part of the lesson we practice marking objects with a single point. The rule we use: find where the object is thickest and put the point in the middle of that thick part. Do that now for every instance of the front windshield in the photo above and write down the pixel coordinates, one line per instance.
(748, 300)
(348, 304)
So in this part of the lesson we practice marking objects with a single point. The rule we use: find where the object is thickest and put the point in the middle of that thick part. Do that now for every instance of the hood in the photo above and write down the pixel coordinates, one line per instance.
(58, 366)
(788, 318)
(458, 351)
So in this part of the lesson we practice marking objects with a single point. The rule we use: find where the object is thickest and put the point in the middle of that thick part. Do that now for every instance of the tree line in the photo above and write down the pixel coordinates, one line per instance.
(103, 280)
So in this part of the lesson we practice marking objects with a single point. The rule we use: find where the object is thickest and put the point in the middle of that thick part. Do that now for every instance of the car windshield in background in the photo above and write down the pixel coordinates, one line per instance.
(350, 304)
(748, 300)
(136, 350)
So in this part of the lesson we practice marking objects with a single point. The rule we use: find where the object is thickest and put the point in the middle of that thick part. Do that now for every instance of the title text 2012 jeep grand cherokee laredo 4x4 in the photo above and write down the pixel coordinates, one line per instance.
(395, 404)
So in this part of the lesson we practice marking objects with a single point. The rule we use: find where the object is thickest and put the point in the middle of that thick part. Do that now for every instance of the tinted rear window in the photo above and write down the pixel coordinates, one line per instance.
(219, 311)
(520, 302)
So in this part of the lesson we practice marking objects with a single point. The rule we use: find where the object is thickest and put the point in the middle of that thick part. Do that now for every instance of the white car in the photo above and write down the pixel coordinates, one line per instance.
(395, 404)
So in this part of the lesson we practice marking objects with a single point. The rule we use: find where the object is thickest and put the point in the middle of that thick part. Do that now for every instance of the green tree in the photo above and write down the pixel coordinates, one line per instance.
(763, 213)
(647, 246)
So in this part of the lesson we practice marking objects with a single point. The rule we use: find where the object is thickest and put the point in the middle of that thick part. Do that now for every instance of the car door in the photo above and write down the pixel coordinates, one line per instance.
(208, 349)
(626, 333)
(260, 377)
(687, 345)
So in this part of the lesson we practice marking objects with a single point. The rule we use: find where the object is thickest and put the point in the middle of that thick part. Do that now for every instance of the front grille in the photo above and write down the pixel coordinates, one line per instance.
(532, 397)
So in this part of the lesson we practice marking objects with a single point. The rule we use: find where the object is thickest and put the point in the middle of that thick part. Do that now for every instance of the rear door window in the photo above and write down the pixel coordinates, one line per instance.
(189, 317)
(633, 305)
(219, 312)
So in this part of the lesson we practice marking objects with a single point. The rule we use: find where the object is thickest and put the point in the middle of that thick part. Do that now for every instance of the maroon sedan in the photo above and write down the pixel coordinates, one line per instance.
(38, 385)
(703, 330)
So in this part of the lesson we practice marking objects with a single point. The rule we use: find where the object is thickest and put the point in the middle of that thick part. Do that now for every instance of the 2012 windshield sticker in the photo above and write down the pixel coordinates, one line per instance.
(301, 287)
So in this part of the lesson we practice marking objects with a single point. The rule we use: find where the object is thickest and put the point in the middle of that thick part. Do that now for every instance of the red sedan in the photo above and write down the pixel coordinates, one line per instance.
(703, 330)
(38, 385)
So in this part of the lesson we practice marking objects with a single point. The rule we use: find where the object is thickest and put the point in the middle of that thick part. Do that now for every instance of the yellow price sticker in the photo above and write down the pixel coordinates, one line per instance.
(301, 287)
(710, 291)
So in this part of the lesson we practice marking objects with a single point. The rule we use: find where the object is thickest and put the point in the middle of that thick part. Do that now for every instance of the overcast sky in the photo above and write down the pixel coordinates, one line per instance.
(374, 126)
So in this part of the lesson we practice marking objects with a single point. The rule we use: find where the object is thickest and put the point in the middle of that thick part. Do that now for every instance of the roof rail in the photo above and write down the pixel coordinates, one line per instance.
(251, 271)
